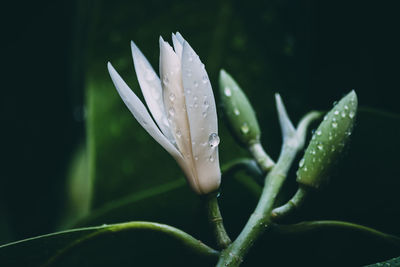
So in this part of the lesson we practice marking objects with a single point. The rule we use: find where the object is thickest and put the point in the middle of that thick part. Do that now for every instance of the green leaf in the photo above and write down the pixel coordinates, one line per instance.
(126, 244)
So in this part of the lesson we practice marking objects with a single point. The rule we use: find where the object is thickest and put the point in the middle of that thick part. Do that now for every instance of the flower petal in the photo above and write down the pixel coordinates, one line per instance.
(200, 105)
(140, 112)
(151, 88)
(175, 105)
(177, 41)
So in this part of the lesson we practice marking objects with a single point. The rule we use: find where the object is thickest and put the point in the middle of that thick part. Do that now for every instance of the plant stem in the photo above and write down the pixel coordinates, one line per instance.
(294, 203)
(216, 222)
(262, 158)
(187, 240)
(317, 225)
(260, 220)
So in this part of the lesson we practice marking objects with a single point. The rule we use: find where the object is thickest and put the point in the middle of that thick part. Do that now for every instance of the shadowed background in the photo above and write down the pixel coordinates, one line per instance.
(69, 144)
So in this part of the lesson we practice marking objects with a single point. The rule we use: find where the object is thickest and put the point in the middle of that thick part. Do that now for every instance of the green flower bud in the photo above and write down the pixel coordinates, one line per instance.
(327, 143)
(238, 110)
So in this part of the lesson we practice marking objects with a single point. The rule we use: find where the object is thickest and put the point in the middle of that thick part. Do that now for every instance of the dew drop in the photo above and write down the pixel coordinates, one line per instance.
(236, 111)
(351, 114)
(320, 146)
(332, 148)
(211, 158)
(178, 134)
(188, 91)
(312, 151)
(204, 114)
(196, 105)
(346, 107)
(206, 104)
(245, 128)
(190, 58)
(195, 98)
(334, 124)
(305, 169)
(171, 111)
(343, 114)
(196, 158)
(336, 112)
(165, 80)
(335, 103)
(325, 117)
(196, 84)
(319, 132)
(227, 91)
(301, 163)
(205, 79)
(213, 140)
(171, 97)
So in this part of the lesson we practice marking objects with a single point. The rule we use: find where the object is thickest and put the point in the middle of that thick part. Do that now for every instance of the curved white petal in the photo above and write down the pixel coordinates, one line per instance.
(175, 105)
(151, 88)
(177, 45)
(140, 112)
(202, 115)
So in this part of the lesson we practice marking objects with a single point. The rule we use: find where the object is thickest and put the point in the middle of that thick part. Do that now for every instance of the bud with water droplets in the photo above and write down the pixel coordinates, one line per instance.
(238, 110)
(327, 143)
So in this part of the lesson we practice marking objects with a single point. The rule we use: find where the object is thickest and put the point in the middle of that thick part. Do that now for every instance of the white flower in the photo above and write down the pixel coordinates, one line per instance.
(182, 106)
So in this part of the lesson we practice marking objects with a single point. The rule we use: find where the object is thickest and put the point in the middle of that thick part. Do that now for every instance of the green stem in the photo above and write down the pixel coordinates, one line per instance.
(216, 222)
(317, 225)
(294, 203)
(185, 239)
(260, 220)
(262, 158)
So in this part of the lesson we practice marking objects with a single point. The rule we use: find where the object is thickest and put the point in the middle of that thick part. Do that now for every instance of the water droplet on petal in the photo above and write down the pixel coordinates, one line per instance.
(319, 132)
(343, 114)
(196, 158)
(171, 111)
(213, 140)
(178, 134)
(346, 107)
(334, 103)
(205, 79)
(236, 111)
(227, 91)
(336, 112)
(171, 97)
(196, 84)
(165, 80)
(334, 124)
(190, 59)
(206, 104)
(204, 114)
(211, 158)
(351, 114)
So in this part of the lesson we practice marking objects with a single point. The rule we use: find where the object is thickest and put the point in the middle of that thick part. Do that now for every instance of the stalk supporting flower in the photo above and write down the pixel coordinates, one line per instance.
(261, 219)
(182, 106)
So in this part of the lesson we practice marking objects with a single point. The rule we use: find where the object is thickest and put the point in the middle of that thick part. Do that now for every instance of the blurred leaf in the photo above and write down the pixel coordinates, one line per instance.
(113, 245)
(78, 189)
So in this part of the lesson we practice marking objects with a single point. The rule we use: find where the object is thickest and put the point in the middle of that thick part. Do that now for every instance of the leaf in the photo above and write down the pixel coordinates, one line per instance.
(124, 244)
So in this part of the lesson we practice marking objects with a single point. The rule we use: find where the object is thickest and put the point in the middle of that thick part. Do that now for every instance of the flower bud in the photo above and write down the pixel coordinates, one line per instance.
(238, 110)
(327, 143)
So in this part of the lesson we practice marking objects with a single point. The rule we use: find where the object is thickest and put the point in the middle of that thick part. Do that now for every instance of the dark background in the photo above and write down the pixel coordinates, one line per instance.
(312, 52)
